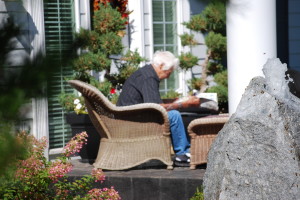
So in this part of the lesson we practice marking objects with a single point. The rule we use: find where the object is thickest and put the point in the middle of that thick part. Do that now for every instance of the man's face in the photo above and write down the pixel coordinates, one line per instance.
(166, 73)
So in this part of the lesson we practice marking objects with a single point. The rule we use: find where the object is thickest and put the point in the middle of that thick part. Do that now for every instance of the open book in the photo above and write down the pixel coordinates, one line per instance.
(207, 100)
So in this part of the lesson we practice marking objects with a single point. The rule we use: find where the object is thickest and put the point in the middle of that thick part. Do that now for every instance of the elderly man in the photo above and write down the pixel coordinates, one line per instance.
(143, 87)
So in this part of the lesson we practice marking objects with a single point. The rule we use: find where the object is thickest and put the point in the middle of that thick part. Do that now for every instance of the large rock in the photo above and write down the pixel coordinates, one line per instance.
(256, 155)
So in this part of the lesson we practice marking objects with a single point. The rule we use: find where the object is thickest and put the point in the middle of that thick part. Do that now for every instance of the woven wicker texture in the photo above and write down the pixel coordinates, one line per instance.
(130, 135)
(202, 132)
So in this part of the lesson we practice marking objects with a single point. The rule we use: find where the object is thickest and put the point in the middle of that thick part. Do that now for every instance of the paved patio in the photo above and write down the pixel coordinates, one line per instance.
(148, 181)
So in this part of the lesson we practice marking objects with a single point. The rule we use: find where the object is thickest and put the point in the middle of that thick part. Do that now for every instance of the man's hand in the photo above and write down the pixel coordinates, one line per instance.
(191, 102)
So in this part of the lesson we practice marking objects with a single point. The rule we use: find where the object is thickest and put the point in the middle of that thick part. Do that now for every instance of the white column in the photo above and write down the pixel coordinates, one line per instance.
(251, 40)
(136, 24)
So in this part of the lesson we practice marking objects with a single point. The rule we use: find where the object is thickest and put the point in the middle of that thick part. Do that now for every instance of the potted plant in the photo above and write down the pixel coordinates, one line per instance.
(79, 121)
(170, 96)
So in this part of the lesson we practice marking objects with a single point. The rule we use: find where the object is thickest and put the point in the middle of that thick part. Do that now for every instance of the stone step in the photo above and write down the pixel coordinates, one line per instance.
(150, 181)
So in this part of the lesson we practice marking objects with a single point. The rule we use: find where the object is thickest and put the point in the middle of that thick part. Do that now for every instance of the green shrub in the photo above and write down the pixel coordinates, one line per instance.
(195, 83)
(198, 195)
(187, 61)
(171, 94)
(108, 19)
(188, 39)
(222, 92)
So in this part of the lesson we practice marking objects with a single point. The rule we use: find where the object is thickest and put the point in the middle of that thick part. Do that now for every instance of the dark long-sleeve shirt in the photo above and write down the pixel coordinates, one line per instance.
(141, 87)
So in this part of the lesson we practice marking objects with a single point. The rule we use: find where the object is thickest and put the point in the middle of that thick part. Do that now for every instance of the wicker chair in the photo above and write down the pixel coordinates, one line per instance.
(202, 132)
(130, 135)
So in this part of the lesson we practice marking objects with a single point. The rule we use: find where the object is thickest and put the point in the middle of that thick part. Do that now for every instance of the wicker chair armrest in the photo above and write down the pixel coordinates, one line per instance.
(205, 121)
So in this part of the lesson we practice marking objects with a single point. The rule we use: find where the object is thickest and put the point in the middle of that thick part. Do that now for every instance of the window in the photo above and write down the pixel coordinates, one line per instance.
(165, 35)
(59, 29)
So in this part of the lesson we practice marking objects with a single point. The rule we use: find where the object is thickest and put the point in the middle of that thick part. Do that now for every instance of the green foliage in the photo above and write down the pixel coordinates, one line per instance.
(90, 61)
(198, 195)
(187, 61)
(215, 15)
(216, 42)
(105, 87)
(196, 83)
(222, 88)
(213, 18)
(132, 58)
(222, 78)
(84, 38)
(128, 64)
(10, 150)
(107, 19)
(171, 94)
(110, 43)
(197, 23)
(222, 92)
(125, 72)
(188, 40)
(211, 22)
(101, 43)
(114, 98)
(72, 102)
(37, 178)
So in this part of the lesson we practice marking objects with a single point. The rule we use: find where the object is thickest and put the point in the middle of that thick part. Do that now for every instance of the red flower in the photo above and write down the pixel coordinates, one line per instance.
(112, 90)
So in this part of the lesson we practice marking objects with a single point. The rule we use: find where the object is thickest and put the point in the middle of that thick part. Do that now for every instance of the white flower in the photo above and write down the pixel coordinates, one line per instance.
(78, 106)
(79, 94)
(76, 101)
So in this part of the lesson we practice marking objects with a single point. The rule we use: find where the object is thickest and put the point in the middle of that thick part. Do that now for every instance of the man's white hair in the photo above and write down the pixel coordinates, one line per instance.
(166, 58)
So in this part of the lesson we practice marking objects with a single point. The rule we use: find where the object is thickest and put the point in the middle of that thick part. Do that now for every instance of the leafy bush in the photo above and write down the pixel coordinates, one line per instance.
(198, 195)
(171, 94)
(128, 64)
(222, 92)
(89, 61)
(222, 78)
(37, 178)
(108, 19)
(72, 103)
(196, 83)
(187, 61)
(216, 42)
(188, 39)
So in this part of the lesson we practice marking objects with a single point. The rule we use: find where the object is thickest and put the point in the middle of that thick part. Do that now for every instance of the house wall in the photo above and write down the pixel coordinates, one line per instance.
(28, 17)
(16, 11)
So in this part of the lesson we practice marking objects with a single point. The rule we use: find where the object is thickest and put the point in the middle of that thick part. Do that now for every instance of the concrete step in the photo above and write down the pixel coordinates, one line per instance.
(150, 181)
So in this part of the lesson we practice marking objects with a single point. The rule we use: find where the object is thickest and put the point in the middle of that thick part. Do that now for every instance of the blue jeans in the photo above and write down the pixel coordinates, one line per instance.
(180, 141)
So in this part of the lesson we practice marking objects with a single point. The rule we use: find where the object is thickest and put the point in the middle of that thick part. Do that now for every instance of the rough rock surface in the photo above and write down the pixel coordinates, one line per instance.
(256, 155)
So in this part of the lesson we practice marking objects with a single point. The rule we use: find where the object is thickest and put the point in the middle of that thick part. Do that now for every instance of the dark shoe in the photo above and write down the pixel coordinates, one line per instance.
(182, 161)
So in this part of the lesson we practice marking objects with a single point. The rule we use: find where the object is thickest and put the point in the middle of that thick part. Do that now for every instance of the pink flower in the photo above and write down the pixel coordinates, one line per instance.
(29, 168)
(98, 175)
(58, 169)
(104, 194)
(75, 144)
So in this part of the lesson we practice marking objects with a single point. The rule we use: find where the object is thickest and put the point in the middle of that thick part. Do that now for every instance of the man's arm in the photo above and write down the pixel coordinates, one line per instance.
(191, 102)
